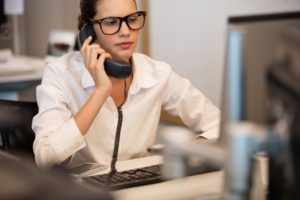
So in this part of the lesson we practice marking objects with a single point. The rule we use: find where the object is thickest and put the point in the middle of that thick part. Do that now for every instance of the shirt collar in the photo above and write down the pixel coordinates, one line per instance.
(143, 76)
(86, 78)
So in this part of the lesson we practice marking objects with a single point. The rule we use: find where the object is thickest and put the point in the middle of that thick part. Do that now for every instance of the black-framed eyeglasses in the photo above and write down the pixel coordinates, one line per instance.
(112, 25)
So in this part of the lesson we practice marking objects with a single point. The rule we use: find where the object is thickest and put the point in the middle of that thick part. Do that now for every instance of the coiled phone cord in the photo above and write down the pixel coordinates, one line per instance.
(117, 138)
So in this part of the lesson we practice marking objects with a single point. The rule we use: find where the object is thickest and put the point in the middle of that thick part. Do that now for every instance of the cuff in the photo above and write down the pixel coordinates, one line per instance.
(67, 141)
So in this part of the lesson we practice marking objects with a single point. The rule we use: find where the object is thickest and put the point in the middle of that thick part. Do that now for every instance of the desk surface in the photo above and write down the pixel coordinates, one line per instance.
(19, 76)
(32, 71)
(208, 184)
(204, 185)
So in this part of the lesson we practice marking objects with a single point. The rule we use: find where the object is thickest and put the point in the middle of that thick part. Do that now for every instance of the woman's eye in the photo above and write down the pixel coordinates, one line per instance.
(110, 22)
(132, 19)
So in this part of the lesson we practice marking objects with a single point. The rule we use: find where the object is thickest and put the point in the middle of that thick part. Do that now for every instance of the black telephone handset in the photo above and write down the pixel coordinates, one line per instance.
(117, 69)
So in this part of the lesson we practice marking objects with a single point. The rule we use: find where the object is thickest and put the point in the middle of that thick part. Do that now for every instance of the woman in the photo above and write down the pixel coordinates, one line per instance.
(79, 104)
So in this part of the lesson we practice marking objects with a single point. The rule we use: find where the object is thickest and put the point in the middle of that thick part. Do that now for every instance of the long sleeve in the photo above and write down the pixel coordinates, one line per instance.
(67, 85)
(192, 106)
(57, 135)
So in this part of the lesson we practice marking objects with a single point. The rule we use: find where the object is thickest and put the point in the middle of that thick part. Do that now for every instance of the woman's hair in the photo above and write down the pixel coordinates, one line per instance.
(87, 11)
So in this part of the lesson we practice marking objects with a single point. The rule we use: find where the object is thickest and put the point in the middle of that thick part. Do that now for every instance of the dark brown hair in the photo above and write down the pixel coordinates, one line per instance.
(87, 11)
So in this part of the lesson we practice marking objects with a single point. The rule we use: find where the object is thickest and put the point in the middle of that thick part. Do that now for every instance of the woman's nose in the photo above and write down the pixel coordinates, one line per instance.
(124, 30)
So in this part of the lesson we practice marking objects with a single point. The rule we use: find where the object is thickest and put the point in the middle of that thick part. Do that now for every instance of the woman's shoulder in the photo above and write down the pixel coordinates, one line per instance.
(151, 64)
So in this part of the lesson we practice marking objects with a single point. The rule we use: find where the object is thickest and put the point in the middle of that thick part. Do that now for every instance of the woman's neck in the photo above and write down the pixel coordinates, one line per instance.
(120, 90)
(116, 81)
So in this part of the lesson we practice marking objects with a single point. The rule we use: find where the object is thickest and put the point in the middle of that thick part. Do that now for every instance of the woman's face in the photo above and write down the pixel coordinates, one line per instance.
(122, 44)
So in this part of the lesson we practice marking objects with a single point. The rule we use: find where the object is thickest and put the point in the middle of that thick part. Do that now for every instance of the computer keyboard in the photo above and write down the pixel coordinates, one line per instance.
(129, 178)
(140, 176)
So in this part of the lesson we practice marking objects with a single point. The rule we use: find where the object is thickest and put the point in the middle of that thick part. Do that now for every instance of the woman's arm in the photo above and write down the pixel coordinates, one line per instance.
(58, 130)
(93, 56)
(86, 115)
(192, 106)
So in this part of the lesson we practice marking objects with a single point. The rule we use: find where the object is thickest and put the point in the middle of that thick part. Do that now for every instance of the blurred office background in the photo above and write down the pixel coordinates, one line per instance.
(190, 34)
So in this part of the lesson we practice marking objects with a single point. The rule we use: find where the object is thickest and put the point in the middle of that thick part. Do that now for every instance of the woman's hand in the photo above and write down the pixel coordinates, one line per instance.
(94, 56)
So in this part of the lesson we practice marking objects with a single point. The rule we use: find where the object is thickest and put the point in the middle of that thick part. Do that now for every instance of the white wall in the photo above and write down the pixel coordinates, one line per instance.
(191, 35)
(42, 16)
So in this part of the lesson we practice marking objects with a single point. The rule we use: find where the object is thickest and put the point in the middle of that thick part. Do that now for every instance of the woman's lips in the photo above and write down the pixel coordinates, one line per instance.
(125, 45)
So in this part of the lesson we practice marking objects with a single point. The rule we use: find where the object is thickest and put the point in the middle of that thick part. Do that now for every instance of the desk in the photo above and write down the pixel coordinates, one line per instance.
(180, 189)
(204, 185)
(20, 84)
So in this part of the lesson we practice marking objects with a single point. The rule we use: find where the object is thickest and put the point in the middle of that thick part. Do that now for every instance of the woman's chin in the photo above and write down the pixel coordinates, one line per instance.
(123, 57)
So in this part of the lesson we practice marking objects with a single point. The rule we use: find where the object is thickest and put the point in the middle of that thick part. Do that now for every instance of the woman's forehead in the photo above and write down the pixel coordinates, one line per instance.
(115, 7)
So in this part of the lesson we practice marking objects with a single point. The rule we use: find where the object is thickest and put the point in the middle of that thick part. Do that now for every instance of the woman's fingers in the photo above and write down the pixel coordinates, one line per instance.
(90, 54)
(87, 48)
(86, 43)
(95, 54)
(94, 57)
(83, 49)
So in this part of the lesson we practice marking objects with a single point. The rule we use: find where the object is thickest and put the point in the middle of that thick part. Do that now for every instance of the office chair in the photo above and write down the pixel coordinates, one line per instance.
(16, 133)
(23, 180)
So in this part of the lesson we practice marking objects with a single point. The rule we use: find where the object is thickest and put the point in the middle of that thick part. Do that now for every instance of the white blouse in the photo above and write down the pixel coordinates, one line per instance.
(65, 87)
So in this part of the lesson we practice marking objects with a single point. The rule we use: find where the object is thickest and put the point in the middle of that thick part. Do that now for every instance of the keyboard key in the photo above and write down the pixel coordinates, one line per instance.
(140, 176)
(130, 178)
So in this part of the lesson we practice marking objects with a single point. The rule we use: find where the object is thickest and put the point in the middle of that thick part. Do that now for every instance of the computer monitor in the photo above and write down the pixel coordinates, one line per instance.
(262, 85)
(283, 81)
(252, 43)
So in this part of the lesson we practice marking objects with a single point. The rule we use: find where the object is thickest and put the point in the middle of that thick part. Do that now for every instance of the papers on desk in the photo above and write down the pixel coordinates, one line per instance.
(11, 65)
(86, 169)
(15, 66)
(5, 54)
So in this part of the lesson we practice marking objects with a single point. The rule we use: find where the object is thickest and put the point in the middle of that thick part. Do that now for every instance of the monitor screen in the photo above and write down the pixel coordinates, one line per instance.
(252, 43)
(263, 62)
(283, 81)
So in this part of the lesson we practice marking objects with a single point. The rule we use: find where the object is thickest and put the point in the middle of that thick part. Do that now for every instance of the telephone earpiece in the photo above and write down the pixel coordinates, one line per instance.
(114, 68)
